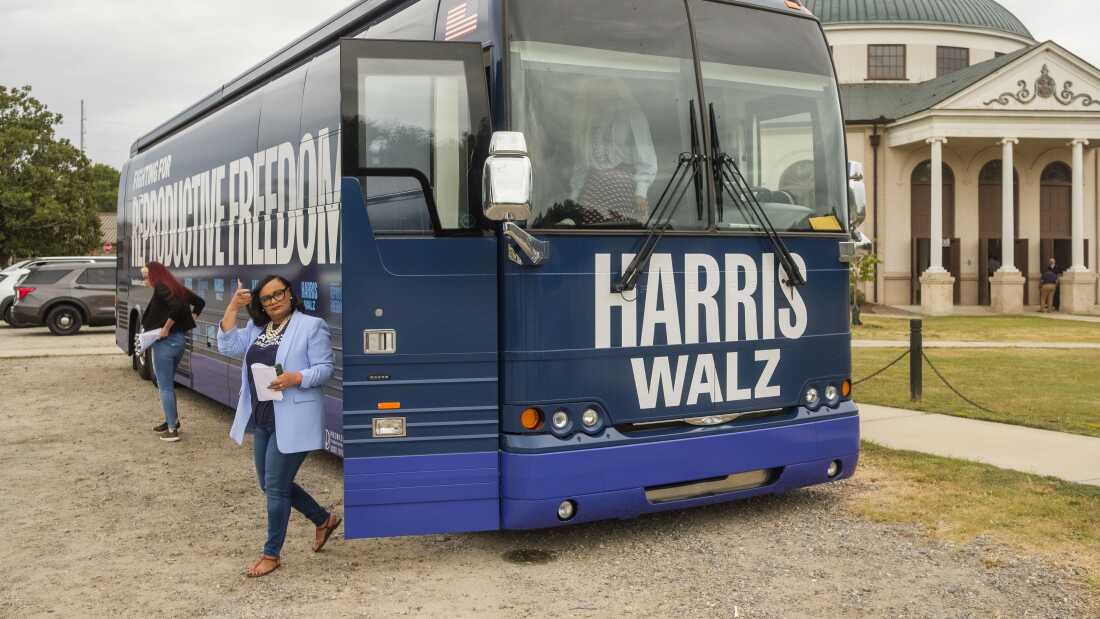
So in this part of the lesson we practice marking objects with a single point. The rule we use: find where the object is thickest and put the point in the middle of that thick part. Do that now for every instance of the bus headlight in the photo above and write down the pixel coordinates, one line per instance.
(590, 418)
(832, 395)
(812, 398)
(560, 420)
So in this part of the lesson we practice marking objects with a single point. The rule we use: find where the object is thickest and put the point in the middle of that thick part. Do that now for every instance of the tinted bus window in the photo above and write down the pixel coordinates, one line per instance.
(778, 112)
(602, 91)
(413, 22)
(415, 114)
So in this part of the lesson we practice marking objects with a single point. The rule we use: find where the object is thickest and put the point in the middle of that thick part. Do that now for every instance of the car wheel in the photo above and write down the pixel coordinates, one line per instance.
(143, 362)
(5, 313)
(64, 320)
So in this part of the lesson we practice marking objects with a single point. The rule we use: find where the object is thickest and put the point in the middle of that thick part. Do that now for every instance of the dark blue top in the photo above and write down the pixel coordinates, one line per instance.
(263, 350)
(1050, 277)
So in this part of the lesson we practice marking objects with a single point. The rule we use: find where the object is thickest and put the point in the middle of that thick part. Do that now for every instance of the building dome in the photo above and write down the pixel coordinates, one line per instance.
(986, 14)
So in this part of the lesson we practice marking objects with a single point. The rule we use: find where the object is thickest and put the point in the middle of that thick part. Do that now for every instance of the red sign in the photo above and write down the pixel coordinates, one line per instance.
(108, 248)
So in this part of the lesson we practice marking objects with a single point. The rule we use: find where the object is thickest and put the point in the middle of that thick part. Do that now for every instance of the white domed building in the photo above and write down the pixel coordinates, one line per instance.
(961, 86)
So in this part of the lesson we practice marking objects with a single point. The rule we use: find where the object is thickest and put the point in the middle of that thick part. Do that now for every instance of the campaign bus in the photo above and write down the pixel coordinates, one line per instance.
(580, 260)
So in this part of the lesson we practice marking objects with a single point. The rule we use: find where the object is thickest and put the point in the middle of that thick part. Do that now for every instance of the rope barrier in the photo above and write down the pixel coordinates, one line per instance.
(956, 391)
(892, 364)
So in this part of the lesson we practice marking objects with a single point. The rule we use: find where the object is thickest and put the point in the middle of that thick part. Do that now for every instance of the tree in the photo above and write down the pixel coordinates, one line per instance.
(45, 205)
(103, 189)
(860, 271)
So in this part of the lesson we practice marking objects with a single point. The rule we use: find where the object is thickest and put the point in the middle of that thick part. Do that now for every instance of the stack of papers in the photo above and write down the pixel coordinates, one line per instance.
(146, 340)
(262, 376)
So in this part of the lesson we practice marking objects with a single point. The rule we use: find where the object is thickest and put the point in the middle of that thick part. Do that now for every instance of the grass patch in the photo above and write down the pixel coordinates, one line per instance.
(959, 501)
(981, 329)
(1049, 389)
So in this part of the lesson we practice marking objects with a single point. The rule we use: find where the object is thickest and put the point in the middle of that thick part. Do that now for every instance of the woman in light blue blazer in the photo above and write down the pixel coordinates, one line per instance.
(283, 336)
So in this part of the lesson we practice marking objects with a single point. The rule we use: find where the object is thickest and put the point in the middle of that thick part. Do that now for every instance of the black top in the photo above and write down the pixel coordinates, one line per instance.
(164, 306)
(263, 350)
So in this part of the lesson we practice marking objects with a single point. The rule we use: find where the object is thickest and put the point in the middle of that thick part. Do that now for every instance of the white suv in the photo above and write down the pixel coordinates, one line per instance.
(10, 277)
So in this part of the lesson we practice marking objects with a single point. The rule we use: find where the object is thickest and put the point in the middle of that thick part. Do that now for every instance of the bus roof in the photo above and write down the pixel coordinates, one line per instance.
(346, 22)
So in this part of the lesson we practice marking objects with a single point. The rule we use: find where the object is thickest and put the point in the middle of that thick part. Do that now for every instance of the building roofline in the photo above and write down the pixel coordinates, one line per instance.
(936, 26)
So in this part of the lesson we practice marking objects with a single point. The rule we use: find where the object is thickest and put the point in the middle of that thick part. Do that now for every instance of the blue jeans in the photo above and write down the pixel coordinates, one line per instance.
(276, 471)
(167, 353)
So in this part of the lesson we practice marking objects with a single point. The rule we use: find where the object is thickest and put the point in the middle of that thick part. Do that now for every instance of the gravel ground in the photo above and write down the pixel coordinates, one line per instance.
(100, 518)
(39, 342)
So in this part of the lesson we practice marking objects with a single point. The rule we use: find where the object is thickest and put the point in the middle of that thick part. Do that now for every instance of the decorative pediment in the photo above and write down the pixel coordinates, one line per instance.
(1045, 88)
(1046, 79)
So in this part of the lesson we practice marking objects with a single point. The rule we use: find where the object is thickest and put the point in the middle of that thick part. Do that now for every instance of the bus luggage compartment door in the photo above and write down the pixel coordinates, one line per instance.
(419, 278)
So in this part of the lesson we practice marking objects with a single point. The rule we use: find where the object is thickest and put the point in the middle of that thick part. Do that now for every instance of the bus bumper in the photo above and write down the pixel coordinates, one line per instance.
(612, 482)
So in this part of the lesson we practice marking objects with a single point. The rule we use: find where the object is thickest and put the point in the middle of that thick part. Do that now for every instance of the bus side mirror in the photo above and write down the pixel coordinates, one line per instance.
(857, 211)
(507, 178)
(857, 195)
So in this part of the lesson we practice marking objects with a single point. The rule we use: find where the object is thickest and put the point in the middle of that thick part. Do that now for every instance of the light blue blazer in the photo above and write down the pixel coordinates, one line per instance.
(299, 416)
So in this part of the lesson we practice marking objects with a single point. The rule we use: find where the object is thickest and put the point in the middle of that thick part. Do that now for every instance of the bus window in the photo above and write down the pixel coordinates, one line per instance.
(414, 114)
(778, 113)
(604, 103)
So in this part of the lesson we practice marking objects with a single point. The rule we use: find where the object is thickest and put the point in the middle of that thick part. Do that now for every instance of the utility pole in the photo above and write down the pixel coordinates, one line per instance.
(82, 119)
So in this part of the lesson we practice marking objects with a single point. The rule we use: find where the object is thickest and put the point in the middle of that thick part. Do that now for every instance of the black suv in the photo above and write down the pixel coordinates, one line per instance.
(65, 297)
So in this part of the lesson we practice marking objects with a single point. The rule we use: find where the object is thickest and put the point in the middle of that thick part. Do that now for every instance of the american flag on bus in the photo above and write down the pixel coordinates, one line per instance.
(461, 20)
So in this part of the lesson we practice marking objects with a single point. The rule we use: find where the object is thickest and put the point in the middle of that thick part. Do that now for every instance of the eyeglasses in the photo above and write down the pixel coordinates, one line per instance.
(274, 297)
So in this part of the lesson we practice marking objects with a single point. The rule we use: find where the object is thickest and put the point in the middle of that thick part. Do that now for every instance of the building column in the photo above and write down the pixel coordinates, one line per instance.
(1078, 221)
(936, 224)
(1007, 284)
(1077, 283)
(936, 284)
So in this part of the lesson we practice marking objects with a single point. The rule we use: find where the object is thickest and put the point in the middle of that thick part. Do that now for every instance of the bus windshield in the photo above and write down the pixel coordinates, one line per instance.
(770, 82)
(604, 93)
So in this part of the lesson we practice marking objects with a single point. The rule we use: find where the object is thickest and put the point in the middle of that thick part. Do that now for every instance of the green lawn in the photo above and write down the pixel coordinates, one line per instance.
(960, 501)
(1050, 389)
(981, 328)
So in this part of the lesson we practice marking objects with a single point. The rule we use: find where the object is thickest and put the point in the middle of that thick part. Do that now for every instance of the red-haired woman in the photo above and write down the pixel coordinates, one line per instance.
(172, 310)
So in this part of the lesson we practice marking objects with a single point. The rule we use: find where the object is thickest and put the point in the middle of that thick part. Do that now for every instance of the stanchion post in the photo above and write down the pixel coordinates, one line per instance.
(916, 358)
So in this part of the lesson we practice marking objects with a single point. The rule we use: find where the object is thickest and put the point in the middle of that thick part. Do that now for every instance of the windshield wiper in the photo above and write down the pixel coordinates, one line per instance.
(660, 217)
(730, 180)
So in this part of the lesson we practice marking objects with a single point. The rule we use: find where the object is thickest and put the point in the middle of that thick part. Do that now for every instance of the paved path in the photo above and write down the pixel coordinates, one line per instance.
(959, 344)
(39, 342)
(914, 311)
(1066, 456)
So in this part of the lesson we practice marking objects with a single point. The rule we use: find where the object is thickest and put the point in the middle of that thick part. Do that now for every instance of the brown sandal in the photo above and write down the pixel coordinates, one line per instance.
(253, 570)
(326, 530)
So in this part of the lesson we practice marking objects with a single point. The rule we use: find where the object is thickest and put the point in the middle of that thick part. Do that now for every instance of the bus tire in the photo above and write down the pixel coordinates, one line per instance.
(64, 320)
(142, 362)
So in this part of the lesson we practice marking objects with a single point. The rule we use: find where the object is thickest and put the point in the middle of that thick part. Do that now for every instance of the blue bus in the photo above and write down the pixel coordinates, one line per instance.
(581, 260)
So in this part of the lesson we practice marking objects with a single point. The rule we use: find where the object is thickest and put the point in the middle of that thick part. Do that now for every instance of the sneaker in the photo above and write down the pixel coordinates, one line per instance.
(171, 436)
(164, 426)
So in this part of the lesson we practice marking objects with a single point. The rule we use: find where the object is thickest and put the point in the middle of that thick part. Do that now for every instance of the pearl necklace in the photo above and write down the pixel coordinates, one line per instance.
(273, 332)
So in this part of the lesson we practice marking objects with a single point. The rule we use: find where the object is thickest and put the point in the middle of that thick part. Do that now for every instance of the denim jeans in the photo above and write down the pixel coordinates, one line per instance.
(276, 471)
(167, 353)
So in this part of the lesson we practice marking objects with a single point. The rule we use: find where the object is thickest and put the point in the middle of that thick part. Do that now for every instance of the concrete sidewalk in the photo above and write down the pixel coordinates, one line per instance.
(959, 344)
(1066, 456)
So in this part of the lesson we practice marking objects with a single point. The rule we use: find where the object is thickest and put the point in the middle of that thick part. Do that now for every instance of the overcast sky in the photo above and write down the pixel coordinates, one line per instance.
(138, 62)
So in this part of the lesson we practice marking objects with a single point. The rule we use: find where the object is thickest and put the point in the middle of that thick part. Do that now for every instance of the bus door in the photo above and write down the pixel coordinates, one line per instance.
(421, 402)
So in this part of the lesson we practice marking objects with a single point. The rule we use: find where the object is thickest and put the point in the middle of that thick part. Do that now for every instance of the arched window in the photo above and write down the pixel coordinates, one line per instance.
(921, 204)
(1057, 173)
(992, 173)
(922, 175)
